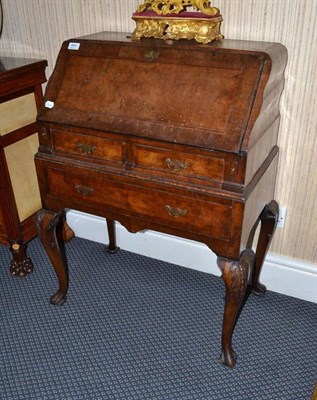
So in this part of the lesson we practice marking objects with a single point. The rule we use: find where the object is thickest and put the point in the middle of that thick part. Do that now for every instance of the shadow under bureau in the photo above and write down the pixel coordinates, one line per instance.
(175, 137)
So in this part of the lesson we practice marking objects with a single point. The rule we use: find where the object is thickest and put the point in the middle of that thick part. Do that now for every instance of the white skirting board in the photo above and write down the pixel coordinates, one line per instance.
(280, 274)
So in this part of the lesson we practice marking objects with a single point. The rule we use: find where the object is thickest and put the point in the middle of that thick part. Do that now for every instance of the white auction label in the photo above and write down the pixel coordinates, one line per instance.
(49, 104)
(73, 46)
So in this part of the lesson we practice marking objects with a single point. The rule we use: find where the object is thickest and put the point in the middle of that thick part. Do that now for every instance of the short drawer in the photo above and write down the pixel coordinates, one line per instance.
(180, 211)
(87, 146)
(178, 164)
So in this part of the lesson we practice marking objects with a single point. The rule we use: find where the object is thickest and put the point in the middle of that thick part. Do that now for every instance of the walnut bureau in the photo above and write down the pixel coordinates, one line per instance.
(20, 99)
(176, 137)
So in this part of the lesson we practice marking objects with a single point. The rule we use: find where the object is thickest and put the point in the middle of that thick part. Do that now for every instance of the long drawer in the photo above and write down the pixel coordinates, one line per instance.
(104, 191)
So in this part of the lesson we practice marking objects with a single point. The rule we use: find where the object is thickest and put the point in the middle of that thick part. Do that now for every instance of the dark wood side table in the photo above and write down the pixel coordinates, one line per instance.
(20, 99)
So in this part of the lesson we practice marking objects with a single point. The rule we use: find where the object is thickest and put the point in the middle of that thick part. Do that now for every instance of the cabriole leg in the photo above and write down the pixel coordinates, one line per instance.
(269, 219)
(46, 224)
(235, 275)
(112, 246)
(67, 232)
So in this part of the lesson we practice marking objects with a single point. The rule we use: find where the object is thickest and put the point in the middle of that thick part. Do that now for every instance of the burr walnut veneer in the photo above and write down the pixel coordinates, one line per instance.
(176, 137)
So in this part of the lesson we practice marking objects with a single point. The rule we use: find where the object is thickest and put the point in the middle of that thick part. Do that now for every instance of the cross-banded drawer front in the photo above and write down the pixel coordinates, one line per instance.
(179, 164)
(88, 146)
(103, 191)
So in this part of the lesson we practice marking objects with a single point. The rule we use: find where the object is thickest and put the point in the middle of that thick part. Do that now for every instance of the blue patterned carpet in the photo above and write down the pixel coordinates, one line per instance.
(137, 328)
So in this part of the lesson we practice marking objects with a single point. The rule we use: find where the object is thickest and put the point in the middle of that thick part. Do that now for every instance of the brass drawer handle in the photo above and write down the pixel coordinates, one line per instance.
(84, 190)
(176, 212)
(176, 165)
(86, 148)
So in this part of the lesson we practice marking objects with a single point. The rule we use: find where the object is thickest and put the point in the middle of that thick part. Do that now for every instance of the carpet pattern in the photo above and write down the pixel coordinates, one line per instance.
(137, 328)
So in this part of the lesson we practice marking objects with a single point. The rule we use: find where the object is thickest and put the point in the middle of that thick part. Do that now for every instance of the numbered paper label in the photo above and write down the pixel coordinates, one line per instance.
(73, 46)
(49, 104)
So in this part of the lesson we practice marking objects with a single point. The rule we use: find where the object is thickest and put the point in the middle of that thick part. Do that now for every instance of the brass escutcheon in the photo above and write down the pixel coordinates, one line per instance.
(234, 168)
(176, 212)
(86, 148)
(84, 190)
(151, 54)
(176, 165)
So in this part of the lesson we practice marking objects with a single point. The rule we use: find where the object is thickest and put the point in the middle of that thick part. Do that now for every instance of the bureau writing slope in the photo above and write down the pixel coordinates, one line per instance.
(176, 137)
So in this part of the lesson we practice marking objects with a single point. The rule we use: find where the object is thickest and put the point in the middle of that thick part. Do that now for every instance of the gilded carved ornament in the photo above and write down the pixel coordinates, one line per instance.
(178, 19)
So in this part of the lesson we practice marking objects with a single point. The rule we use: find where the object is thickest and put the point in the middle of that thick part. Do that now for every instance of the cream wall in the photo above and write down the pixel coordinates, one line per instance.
(36, 28)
